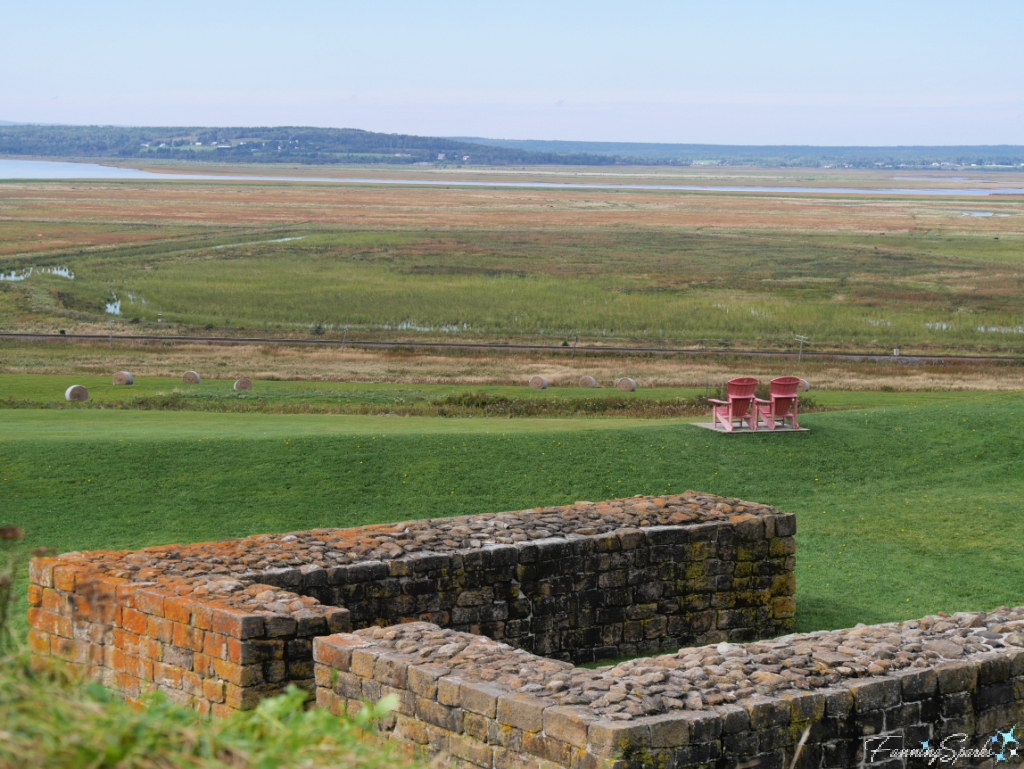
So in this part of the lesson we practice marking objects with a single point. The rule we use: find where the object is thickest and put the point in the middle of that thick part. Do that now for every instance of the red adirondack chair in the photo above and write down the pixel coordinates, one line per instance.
(782, 405)
(738, 407)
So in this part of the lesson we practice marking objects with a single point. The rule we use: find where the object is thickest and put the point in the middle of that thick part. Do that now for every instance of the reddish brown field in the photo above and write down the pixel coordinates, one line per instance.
(39, 217)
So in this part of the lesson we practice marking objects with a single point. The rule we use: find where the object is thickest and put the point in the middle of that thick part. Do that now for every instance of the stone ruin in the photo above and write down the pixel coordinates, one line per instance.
(476, 624)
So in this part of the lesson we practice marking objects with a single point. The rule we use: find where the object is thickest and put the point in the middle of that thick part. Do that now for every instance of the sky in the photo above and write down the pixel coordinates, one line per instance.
(820, 73)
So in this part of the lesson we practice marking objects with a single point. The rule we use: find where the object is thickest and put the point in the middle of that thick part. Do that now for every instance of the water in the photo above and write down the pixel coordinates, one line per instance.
(14, 275)
(1001, 329)
(252, 243)
(47, 169)
(410, 326)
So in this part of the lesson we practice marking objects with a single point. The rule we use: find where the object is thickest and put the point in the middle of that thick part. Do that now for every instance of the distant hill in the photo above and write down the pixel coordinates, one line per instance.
(284, 144)
(771, 155)
(297, 144)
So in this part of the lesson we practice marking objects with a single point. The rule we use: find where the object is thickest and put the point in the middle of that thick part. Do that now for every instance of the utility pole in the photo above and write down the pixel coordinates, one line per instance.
(801, 340)
(110, 337)
(343, 337)
(574, 346)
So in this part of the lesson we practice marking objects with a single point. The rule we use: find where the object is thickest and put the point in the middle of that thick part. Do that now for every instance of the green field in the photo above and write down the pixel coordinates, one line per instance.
(382, 398)
(854, 289)
(902, 510)
(45, 388)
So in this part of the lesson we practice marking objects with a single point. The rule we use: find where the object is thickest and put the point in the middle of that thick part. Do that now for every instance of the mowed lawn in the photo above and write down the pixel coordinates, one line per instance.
(902, 511)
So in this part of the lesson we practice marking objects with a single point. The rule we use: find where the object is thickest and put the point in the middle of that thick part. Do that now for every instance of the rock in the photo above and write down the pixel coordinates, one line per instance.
(945, 649)
(831, 658)
(769, 680)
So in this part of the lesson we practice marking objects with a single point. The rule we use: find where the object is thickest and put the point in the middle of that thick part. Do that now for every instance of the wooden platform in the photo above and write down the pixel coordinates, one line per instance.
(744, 430)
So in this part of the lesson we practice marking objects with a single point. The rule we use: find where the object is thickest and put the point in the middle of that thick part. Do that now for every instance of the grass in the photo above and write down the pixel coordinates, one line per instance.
(648, 285)
(49, 720)
(873, 273)
(902, 511)
(384, 398)
(42, 388)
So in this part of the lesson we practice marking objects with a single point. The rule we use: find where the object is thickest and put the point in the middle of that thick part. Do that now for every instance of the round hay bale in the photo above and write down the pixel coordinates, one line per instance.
(626, 385)
(76, 393)
(588, 381)
(243, 384)
(804, 385)
(538, 383)
(190, 377)
(123, 378)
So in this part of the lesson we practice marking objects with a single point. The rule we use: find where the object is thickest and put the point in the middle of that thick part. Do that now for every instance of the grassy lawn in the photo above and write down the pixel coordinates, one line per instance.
(902, 510)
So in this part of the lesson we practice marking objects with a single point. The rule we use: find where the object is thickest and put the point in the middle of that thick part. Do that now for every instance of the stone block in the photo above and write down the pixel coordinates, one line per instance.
(669, 731)
(449, 691)
(956, 677)
(391, 670)
(363, 661)
(521, 712)
(422, 679)
(918, 684)
(439, 715)
(785, 525)
(568, 724)
(471, 750)
(547, 748)
(876, 694)
(479, 698)
(609, 738)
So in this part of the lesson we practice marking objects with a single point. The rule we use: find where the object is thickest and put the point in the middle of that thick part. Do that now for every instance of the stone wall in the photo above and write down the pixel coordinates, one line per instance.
(623, 593)
(474, 624)
(206, 654)
(947, 685)
(218, 626)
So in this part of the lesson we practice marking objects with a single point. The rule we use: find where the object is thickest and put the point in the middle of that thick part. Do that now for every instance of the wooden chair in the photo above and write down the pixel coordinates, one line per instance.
(739, 405)
(782, 405)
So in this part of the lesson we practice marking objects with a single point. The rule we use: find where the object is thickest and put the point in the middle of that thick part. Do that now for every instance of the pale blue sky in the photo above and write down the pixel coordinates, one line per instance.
(896, 72)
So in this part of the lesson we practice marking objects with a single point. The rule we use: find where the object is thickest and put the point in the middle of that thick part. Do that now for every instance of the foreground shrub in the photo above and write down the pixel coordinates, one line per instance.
(48, 719)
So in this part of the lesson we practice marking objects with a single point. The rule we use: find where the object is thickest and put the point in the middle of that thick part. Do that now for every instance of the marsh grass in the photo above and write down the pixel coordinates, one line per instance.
(331, 368)
(713, 288)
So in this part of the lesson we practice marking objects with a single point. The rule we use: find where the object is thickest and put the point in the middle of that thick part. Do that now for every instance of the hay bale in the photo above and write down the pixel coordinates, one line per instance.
(190, 377)
(76, 393)
(123, 378)
(805, 386)
(538, 383)
(243, 384)
(626, 385)
(588, 381)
